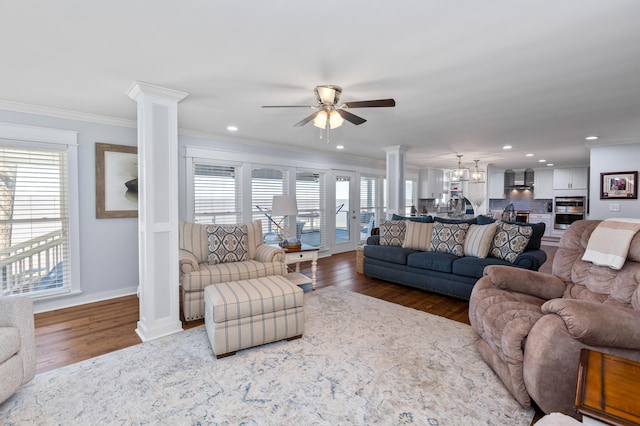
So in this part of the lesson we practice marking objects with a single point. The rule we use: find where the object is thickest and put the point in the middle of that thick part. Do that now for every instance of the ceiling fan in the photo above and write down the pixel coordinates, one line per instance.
(329, 112)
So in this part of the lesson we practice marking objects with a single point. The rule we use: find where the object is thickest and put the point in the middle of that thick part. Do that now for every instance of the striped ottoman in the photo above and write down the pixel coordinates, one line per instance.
(242, 314)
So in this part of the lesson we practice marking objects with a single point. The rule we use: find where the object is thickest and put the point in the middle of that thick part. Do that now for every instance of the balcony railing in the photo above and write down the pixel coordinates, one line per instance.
(34, 265)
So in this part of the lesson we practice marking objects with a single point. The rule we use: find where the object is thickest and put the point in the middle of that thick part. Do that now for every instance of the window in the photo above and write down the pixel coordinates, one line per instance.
(371, 205)
(265, 183)
(34, 220)
(217, 193)
(408, 197)
(311, 196)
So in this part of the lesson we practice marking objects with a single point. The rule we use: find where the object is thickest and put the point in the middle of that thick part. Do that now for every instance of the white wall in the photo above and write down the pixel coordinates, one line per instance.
(108, 247)
(606, 159)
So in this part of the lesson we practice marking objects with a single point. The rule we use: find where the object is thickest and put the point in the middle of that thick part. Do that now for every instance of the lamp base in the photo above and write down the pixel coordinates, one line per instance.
(291, 246)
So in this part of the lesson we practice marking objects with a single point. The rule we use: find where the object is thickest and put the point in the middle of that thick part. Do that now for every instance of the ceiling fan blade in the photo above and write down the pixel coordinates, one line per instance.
(286, 106)
(372, 104)
(351, 117)
(306, 119)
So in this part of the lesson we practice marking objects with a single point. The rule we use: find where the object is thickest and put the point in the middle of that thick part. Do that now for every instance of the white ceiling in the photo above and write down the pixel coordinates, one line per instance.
(468, 76)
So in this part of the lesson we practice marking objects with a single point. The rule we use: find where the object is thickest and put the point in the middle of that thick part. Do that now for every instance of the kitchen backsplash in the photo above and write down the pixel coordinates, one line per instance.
(521, 202)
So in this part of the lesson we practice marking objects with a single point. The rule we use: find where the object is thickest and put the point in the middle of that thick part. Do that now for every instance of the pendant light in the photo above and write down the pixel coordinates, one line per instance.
(461, 174)
(478, 176)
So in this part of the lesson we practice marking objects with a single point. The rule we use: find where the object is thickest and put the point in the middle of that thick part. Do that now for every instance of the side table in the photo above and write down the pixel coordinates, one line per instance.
(607, 392)
(306, 253)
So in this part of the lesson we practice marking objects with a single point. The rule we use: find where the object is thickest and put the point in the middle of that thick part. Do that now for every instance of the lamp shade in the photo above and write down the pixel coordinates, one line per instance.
(284, 205)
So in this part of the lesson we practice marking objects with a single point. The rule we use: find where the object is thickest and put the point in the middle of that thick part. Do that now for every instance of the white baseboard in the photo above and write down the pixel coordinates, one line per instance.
(69, 301)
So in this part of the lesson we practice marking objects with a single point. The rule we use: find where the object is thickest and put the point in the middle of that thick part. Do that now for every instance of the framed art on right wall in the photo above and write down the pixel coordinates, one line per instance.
(618, 185)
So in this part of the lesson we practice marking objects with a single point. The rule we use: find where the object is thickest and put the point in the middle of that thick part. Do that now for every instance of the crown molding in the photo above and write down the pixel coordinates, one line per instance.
(66, 114)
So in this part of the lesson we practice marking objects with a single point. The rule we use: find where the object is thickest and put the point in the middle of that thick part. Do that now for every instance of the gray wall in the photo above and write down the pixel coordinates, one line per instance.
(108, 247)
(612, 158)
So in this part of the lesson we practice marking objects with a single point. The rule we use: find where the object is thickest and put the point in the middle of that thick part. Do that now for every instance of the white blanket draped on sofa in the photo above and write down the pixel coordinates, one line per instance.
(609, 242)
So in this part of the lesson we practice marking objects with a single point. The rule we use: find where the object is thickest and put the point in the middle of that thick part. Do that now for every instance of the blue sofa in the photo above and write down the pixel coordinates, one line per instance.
(443, 273)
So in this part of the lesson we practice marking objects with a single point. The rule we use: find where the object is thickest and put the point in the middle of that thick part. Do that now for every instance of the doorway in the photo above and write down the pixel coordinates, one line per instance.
(346, 229)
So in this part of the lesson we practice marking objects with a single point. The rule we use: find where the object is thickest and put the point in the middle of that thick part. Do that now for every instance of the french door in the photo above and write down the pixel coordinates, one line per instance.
(346, 217)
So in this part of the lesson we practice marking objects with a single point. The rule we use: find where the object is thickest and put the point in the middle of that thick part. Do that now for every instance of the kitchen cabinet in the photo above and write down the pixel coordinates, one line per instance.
(571, 178)
(545, 218)
(431, 183)
(495, 185)
(543, 184)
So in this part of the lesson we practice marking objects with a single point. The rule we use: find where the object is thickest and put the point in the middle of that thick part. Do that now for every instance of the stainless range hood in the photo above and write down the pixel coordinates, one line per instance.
(519, 180)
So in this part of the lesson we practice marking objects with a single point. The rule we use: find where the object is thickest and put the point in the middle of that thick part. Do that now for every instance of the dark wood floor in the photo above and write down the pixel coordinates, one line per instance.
(71, 335)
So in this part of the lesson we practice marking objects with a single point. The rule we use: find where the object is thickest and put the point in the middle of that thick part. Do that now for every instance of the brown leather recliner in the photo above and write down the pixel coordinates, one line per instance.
(531, 325)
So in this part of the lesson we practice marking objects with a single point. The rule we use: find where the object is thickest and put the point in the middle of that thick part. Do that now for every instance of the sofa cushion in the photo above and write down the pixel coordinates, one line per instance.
(478, 240)
(193, 238)
(474, 266)
(449, 238)
(227, 243)
(510, 240)
(10, 338)
(420, 219)
(233, 271)
(388, 253)
(418, 236)
(536, 238)
(392, 232)
(435, 261)
(472, 221)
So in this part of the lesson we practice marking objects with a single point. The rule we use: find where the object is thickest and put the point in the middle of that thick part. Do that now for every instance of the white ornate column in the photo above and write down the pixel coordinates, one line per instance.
(396, 161)
(158, 209)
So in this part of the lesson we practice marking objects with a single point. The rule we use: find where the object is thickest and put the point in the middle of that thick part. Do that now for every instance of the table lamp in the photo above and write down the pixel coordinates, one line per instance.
(286, 206)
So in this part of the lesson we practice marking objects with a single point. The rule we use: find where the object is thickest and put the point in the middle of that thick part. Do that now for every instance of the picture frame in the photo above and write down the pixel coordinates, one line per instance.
(618, 185)
(116, 181)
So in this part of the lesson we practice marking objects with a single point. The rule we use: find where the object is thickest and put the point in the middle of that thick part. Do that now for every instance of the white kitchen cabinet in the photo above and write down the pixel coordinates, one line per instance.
(495, 185)
(571, 178)
(543, 184)
(431, 183)
(545, 218)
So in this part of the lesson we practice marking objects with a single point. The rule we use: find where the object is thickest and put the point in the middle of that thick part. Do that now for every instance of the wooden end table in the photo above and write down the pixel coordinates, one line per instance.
(608, 389)
(306, 253)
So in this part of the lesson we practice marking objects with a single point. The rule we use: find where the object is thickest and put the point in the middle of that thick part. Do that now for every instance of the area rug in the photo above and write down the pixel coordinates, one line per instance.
(361, 361)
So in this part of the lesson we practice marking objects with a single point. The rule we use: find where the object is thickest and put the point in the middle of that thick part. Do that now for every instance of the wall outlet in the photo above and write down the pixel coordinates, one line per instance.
(614, 207)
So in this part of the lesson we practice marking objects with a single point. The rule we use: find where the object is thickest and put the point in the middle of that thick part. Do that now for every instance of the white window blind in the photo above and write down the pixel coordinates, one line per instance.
(217, 193)
(371, 206)
(34, 221)
(265, 183)
(311, 198)
(408, 197)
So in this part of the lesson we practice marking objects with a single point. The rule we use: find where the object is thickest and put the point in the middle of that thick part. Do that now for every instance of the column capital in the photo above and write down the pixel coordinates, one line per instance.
(139, 88)
(396, 148)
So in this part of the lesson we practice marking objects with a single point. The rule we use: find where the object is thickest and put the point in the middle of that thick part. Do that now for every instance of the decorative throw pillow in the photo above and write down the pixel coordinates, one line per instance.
(478, 240)
(449, 237)
(227, 243)
(418, 236)
(392, 232)
(510, 240)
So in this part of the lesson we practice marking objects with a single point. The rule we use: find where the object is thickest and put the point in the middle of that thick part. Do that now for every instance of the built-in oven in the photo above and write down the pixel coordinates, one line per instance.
(568, 210)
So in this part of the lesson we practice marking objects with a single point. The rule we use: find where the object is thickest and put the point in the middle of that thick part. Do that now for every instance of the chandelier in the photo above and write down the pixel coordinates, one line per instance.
(478, 176)
(461, 174)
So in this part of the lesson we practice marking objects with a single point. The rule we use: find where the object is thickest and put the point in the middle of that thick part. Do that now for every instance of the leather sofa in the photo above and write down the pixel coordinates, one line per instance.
(17, 344)
(443, 273)
(197, 272)
(531, 326)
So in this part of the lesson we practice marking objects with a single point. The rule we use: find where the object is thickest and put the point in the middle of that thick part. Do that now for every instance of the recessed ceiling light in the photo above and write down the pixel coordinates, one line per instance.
(549, 164)
(592, 138)
(232, 128)
(529, 155)
(340, 147)
(542, 161)
(507, 147)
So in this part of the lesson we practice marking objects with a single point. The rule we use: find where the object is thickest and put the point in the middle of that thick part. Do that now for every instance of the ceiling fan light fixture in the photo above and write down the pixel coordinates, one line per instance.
(329, 95)
(335, 119)
(320, 120)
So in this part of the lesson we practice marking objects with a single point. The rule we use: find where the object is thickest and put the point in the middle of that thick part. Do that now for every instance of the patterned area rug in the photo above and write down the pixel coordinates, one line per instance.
(361, 361)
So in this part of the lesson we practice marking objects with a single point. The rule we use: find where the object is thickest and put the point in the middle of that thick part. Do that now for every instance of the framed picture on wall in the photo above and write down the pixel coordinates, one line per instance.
(618, 185)
(116, 181)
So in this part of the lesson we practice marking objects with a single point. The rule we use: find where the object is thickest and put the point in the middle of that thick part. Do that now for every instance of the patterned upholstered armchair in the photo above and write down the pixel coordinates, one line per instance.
(212, 254)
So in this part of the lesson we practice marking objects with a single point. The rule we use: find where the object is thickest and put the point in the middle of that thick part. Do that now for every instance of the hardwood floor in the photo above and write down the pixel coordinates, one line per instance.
(71, 335)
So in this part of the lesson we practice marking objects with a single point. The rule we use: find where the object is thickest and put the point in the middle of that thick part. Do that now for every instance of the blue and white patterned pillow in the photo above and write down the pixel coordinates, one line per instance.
(392, 232)
(510, 240)
(449, 238)
(227, 243)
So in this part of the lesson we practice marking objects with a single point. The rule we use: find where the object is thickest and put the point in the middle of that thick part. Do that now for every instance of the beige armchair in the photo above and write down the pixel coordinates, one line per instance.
(531, 326)
(196, 272)
(17, 344)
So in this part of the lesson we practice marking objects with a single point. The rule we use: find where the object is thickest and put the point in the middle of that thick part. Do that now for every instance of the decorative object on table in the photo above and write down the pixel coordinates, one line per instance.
(285, 206)
(116, 181)
(618, 185)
